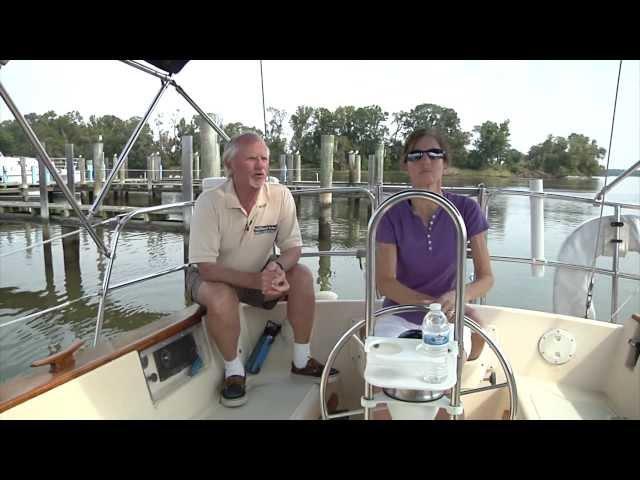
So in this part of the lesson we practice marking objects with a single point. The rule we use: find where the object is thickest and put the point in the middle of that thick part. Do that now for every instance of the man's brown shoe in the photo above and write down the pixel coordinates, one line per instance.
(314, 369)
(233, 391)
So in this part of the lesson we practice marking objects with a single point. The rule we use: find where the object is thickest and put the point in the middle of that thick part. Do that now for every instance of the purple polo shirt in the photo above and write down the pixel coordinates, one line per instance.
(427, 253)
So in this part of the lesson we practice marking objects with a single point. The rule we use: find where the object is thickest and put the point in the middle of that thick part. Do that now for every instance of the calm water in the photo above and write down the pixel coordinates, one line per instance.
(68, 269)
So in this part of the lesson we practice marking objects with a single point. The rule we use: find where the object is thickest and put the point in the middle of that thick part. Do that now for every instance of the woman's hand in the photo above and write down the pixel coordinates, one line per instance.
(448, 303)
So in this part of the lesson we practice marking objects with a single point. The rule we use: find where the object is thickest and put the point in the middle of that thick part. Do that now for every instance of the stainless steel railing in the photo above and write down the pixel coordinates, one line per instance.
(122, 222)
(483, 194)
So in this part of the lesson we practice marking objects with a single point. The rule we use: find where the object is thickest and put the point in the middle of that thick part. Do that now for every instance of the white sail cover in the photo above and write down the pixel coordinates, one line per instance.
(570, 286)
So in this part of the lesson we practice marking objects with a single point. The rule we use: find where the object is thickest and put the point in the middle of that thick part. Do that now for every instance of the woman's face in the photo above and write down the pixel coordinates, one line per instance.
(426, 172)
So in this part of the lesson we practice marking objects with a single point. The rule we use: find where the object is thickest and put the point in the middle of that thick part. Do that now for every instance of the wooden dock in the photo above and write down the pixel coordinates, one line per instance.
(37, 200)
(33, 208)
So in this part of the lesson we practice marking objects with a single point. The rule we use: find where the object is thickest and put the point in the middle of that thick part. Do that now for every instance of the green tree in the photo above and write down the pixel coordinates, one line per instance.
(515, 160)
(236, 128)
(144, 146)
(577, 155)
(354, 128)
(50, 128)
(343, 124)
(9, 144)
(274, 137)
(323, 122)
(184, 128)
(492, 144)
(115, 133)
(169, 139)
(56, 130)
(429, 115)
(301, 140)
(550, 156)
(584, 154)
(370, 128)
(114, 136)
(301, 124)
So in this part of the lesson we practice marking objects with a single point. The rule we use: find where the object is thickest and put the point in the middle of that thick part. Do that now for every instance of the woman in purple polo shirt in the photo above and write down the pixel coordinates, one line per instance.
(416, 243)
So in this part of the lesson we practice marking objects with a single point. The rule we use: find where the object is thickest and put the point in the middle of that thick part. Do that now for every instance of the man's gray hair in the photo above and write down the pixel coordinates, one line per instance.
(231, 148)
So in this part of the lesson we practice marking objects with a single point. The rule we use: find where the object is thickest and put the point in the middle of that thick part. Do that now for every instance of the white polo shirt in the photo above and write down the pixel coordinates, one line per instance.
(222, 232)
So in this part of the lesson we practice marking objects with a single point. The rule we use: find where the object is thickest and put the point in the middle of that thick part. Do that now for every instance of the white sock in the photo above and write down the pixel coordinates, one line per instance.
(234, 367)
(301, 354)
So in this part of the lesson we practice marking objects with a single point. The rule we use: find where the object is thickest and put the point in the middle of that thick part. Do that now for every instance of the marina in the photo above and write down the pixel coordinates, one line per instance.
(82, 334)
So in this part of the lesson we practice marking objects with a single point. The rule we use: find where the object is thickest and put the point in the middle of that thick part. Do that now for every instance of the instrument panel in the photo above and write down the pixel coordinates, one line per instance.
(175, 361)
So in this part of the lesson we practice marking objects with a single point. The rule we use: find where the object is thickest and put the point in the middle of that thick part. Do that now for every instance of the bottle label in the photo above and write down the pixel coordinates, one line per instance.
(437, 339)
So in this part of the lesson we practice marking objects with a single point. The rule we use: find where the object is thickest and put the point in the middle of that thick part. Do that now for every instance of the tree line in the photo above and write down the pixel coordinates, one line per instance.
(359, 129)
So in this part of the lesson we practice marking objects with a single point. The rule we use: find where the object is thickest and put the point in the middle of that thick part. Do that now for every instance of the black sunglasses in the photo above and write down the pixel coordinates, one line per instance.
(432, 153)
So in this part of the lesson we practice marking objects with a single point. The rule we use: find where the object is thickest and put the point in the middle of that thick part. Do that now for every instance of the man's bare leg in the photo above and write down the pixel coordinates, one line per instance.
(301, 302)
(223, 319)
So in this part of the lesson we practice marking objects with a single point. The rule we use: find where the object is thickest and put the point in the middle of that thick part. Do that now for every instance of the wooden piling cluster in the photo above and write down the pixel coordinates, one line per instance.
(194, 165)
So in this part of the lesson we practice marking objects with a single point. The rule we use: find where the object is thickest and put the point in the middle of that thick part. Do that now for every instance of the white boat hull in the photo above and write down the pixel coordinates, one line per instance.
(596, 383)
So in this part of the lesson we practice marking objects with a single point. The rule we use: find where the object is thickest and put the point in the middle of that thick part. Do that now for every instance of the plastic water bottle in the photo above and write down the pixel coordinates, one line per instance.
(435, 342)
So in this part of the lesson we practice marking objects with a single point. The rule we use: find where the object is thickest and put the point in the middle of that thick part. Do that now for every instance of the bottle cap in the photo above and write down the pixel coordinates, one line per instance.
(435, 306)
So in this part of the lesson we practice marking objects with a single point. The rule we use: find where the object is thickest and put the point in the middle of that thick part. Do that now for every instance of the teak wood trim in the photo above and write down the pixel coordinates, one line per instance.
(21, 389)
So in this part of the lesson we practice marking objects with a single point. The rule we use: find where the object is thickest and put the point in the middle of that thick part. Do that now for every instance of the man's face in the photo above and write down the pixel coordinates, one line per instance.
(250, 165)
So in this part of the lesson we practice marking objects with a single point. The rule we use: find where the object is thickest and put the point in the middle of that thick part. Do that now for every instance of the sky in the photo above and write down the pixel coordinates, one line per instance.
(557, 97)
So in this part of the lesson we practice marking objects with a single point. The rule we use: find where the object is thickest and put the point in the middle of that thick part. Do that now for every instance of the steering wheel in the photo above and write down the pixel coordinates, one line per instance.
(352, 334)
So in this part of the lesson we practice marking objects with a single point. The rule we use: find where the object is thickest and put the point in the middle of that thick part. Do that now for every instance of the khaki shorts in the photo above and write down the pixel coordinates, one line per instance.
(249, 296)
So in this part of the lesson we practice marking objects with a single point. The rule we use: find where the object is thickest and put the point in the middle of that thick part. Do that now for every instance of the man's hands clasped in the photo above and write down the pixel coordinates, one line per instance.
(274, 281)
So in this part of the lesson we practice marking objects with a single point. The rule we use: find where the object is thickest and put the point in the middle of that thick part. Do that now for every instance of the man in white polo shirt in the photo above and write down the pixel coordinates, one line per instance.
(233, 230)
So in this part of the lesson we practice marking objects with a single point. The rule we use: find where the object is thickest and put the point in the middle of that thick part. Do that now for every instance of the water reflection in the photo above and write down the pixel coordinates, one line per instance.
(35, 282)
(71, 254)
(324, 244)
(353, 214)
(28, 233)
(100, 258)
(48, 259)
(496, 214)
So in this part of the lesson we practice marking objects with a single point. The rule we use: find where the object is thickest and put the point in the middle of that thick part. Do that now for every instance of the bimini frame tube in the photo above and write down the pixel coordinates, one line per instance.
(122, 222)
(46, 161)
(620, 177)
(125, 151)
(204, 115)
(179, 89)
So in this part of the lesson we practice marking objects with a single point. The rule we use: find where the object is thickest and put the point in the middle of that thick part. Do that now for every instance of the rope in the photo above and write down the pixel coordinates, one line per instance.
(264, 111)
(264, 118)
(606, 178)
(633, 294)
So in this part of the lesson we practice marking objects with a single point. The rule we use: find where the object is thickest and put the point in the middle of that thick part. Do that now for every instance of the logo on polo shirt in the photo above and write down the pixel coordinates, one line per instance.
(263, 229)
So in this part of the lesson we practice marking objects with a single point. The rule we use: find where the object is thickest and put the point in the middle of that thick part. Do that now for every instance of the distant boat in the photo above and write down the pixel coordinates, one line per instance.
(11, 175)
